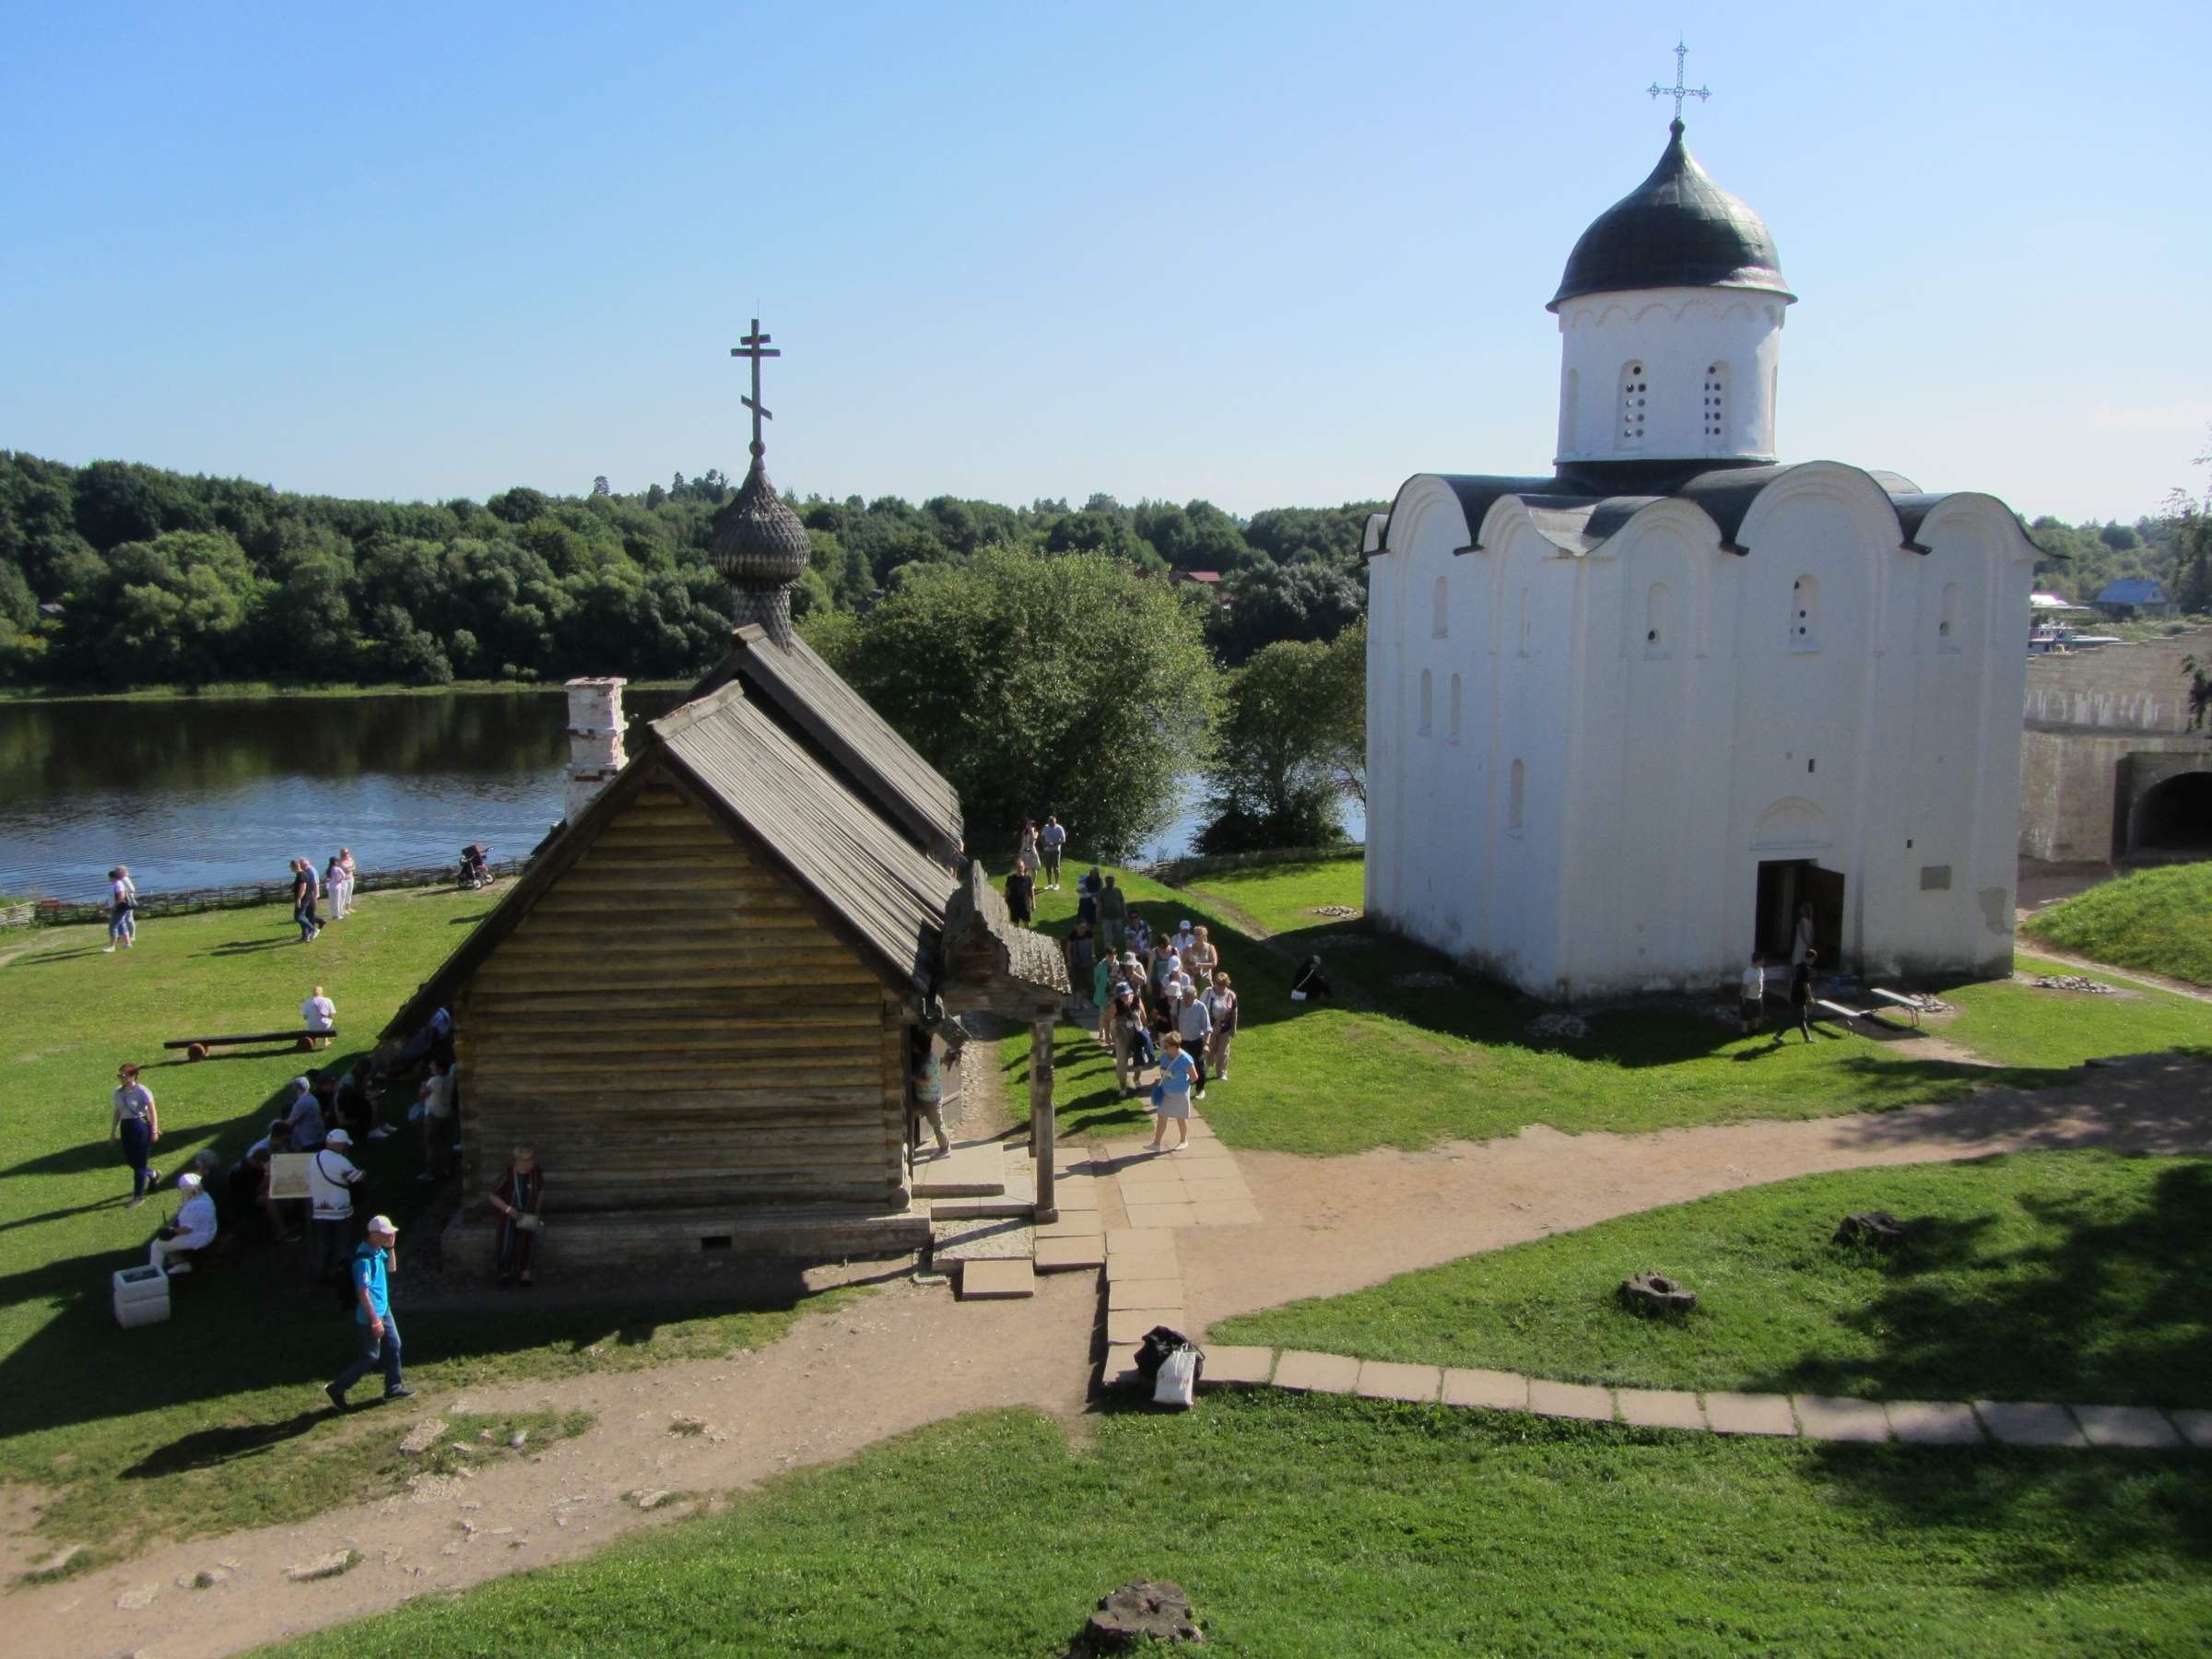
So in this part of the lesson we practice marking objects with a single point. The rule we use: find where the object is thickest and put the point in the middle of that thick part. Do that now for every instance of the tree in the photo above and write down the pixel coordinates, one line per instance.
(1291, 746)
(1269, 602)
(1066, 685)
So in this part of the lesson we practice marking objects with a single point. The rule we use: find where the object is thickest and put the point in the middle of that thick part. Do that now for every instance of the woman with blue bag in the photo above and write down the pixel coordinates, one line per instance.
(1171, 1096)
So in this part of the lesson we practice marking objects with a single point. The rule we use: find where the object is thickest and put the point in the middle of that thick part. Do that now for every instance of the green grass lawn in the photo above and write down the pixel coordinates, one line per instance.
(2058, 1276)
(1283, 897)
(2157, 919)
(1424, 1065)
(1323, 1527)
(212, 1419)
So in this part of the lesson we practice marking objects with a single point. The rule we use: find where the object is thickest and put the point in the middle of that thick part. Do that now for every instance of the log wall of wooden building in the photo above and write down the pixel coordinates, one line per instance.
(671, 1026)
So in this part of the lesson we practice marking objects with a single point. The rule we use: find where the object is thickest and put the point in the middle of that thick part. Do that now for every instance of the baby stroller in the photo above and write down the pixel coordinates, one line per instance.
(475, 867)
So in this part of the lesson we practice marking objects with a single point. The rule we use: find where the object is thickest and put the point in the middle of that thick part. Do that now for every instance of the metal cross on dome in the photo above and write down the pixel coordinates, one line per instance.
(1677, 91)
(755, 346)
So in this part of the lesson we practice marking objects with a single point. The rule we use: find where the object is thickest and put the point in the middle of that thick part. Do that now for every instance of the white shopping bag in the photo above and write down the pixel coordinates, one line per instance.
(1178, 1383)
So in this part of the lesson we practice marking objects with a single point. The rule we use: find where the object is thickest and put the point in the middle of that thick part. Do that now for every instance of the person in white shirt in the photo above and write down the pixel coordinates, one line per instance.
(318, 1013)
(331, 1178)
(193, 1230)
(437, 1120)
(1184, 937)
(1752, 1008)
(1221, 1003)
(122, 907)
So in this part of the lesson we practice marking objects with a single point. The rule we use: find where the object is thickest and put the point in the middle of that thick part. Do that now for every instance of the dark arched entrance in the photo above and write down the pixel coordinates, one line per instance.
(2175, 815)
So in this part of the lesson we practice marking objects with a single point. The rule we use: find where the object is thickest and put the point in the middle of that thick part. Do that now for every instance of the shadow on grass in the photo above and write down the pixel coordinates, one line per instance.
(247, 946)
(2107, 1310)
(212, 1448)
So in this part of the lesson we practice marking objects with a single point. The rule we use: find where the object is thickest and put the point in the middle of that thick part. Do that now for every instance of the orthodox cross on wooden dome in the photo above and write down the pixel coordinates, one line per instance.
(1677, 92)
(755, 346)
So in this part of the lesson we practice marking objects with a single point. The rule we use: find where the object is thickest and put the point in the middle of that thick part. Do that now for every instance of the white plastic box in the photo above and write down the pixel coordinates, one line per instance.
(141, 1296)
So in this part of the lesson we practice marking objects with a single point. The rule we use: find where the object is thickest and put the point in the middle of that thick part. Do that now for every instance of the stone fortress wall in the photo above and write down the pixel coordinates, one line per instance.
(2104, 729)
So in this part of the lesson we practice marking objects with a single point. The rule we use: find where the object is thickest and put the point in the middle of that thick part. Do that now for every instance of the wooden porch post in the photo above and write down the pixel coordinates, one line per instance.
(1043, 1130)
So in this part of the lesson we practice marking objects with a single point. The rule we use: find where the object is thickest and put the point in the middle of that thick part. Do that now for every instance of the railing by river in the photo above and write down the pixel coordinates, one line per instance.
(58, 912)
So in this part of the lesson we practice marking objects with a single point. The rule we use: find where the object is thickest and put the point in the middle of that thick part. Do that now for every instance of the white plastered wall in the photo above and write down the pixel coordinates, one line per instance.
(1676, 335)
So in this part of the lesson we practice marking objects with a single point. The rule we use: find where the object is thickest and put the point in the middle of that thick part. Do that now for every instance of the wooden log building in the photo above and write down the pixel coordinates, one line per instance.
(700, 1004)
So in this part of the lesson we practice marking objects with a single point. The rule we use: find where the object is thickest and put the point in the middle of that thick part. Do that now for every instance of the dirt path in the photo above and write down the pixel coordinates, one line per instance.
(909, 1356)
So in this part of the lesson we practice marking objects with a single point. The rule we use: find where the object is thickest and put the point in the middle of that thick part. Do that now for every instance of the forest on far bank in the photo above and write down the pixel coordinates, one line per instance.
(117, 575)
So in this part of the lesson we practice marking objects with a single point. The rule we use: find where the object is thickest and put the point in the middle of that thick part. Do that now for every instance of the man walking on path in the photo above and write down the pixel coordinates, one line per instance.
(1195, 1024)
(1114, 913)
(379, 1331)
(1051, 842)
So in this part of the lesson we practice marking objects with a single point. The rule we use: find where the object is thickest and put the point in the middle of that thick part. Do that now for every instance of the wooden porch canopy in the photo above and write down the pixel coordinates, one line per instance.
(989, 966)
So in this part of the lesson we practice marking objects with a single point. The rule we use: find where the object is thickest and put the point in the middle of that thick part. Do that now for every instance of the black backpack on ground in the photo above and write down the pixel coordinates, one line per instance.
(1310, 979)
(1153, 1351)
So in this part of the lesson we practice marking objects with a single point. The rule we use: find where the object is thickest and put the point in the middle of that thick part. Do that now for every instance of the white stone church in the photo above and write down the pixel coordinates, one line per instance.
(1623, 720)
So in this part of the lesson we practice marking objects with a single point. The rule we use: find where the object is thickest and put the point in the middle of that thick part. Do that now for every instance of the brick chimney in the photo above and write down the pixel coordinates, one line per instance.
(595, 741)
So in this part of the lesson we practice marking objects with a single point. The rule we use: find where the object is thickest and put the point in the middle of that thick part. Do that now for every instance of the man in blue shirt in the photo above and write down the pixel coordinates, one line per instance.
(379, 1331)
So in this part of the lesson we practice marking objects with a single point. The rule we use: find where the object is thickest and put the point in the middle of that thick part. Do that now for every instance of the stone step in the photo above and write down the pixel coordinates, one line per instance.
(999, 1239)
(1019, 1198)
(976, 1170)
(996, 1280)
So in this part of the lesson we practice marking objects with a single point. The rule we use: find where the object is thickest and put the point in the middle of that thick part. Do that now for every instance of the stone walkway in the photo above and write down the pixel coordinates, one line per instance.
(1808, 1417)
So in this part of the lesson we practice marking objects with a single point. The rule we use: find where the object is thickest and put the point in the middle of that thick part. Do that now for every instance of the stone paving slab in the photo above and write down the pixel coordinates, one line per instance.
(2196, 1427)
(1226, 1212)
(2018, 1424)
(1060, 1255)
(1074, 1224)
(1495, 1391)
(2132, 1426)
(1075, 1194)
(1384, 1380)
(1828, 1417)
(1660, 1408)
(1304, 1372)
(996, 1280)
(1237, 1368)
(1203, 1152)
(1180, 1214)
(1120, 1365)
(1571, 1400)
(1129, 1324)
(1144, 1293)
(1148, 1172)
(1161, 1266)
(1229, 1187)
(1935, 1422)
(1750, 1414)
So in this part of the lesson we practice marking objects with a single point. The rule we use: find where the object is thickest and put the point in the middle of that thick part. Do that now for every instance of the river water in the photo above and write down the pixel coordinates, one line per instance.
(217, 791)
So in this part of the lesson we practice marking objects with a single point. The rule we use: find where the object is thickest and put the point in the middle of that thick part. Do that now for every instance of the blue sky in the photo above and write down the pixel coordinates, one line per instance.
(1264, 254)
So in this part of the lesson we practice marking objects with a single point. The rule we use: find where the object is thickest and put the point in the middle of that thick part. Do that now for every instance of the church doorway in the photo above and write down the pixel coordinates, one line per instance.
(2175, 818)
(1784, 885)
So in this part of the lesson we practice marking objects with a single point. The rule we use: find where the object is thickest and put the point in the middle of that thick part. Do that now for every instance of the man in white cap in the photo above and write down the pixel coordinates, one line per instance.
(1184, 937)
(193, 1230)
(379, 1331)
(331, 1178)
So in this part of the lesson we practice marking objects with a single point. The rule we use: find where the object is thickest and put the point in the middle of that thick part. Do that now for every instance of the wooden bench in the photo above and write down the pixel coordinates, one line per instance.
(196, 1048)
(1910, 1005)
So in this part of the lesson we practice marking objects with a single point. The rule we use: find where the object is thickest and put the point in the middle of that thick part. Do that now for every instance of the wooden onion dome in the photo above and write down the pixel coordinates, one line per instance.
(761, 548)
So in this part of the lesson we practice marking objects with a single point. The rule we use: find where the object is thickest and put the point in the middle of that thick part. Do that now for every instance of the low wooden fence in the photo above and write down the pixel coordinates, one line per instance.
(58, 912)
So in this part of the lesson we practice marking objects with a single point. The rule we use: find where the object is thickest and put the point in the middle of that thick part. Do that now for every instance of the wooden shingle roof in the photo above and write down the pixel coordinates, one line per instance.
(837, 845)
(812, 703)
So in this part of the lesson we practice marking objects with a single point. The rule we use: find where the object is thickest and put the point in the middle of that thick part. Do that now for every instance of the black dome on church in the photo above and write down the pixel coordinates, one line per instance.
(1676, 229)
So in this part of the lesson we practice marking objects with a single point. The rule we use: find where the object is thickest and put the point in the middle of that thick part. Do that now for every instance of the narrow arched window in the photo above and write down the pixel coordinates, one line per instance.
(1716, 405)
(1428, 699)
(1439, 622)
(1658, 618)
(1635, 390)
(1516, 796)
(1454, 727)
(1805, 614)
